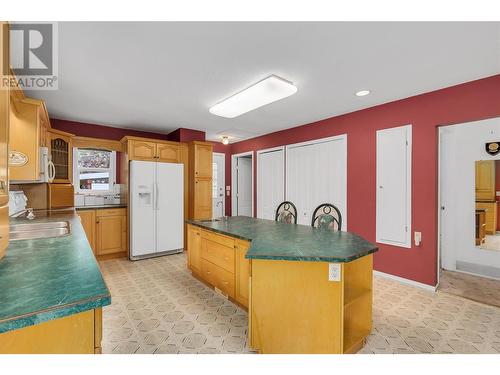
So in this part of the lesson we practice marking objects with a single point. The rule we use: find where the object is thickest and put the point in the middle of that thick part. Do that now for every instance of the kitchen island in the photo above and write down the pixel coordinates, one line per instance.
(51, 292)
(307, 290)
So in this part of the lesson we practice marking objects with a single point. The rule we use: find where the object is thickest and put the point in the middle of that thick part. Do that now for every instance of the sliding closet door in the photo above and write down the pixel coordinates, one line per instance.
(316, 172)
(270, 182)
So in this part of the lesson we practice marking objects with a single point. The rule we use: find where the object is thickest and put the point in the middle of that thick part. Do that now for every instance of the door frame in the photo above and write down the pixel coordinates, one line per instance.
(234, 200)
(266, 150)
(223, 180)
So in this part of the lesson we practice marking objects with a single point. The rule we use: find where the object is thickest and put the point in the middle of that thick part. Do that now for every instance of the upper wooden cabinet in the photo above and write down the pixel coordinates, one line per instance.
(202, 158)
(29, 125)
(151, 150)
(61, 151)
(141, 150)
(168, 153)
(200, 180)
(485, 180)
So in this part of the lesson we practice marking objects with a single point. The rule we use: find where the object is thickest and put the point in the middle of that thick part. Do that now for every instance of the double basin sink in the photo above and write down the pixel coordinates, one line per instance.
(31, 231)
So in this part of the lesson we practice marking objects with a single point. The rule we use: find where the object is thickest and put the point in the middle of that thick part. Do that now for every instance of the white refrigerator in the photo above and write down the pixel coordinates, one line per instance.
(156, 208)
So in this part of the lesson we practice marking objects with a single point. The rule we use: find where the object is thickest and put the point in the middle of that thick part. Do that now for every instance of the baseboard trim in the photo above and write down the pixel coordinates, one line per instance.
(402, 280)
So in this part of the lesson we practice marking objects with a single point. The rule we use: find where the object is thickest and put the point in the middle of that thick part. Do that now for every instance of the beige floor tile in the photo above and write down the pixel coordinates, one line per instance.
(158, 307)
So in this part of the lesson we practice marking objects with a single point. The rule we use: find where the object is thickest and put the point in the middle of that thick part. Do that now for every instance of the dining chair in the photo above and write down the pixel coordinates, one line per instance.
(286, 213)
(327, 216)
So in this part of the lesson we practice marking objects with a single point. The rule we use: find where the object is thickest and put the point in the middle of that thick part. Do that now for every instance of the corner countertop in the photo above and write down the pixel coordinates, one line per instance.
(45, 279)
(100, 207)
(279, 241)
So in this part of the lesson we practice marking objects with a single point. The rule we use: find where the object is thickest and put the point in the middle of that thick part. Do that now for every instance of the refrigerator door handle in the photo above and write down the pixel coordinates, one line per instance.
(157, 188)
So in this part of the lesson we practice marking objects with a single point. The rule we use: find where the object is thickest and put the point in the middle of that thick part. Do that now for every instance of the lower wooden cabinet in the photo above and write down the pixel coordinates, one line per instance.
(194, 249)
(491, 215)
(219, 260)
(87, 217)
(242, 272)
(106, 231)
(80, 333)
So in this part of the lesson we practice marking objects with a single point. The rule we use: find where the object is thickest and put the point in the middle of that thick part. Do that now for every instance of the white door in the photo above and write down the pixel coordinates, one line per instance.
(169, 206)
(142, 204)
(393, 212)
(218, 184)
(316, 173)
(244, 186)
(270, 182)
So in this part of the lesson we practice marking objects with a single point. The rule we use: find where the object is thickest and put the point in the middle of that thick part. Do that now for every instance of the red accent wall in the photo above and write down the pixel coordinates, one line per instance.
(101, 131)
(186, 135)
(497, 188)
(470, 101)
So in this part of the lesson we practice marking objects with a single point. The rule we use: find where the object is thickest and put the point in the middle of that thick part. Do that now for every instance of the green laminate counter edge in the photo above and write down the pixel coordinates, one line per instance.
(100, 207)
(46, 279)
(278, 241)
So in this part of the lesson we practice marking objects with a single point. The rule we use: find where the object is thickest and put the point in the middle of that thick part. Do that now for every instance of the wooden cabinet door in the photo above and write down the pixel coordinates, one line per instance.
(203, 161)
(167, 153)
(194, 249)
(61, 152)
(4, 125)
(111, 234)
(485, 180)
(490, 215)
(242, 272)
(141, 150)
(203, 198)
(87, 217)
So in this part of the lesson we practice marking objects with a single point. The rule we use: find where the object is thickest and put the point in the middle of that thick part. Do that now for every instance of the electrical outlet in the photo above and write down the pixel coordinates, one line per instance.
(418, 238)
(334, 272)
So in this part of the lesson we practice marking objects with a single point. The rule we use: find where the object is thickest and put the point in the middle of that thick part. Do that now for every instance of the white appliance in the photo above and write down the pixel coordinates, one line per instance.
(47, 169)
(17, 201)
(156, 208)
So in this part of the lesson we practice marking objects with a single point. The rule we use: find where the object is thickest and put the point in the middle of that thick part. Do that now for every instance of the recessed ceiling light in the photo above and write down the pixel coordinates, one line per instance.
(268, 90)
(225, 140)
(363, 93)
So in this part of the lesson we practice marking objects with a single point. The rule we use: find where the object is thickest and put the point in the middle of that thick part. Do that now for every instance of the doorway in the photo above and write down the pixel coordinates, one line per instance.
(242, 184)
(218, 184)
(469, 190)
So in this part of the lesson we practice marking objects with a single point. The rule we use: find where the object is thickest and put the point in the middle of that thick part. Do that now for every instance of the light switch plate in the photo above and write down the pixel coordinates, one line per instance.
(333, 271)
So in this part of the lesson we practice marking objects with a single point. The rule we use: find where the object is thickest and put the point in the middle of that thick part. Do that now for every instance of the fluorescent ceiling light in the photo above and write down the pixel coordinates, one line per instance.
(268, 90)
(363, 93)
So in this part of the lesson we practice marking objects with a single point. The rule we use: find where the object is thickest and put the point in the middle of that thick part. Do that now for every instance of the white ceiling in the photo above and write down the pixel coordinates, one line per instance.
(165, 75)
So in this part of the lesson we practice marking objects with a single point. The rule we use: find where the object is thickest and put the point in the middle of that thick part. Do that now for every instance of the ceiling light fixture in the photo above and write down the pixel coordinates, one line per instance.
(363, 93)
(268, 90)
(225, 140)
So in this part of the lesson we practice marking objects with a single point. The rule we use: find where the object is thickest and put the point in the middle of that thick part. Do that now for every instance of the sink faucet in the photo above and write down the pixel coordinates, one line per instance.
(30, 215)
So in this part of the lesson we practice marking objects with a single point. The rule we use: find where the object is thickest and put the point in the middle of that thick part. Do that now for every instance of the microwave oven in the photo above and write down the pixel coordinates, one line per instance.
(47, 169)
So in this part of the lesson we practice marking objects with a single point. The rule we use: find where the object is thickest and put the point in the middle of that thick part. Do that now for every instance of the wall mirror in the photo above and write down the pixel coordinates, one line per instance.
(487, 199)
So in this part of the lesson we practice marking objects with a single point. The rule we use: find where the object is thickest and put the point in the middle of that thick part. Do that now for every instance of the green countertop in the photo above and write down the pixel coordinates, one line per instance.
(100, 207)
(279, 241)
(50, 278)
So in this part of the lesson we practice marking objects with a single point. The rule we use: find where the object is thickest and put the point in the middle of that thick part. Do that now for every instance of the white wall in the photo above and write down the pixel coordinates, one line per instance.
(460, 147)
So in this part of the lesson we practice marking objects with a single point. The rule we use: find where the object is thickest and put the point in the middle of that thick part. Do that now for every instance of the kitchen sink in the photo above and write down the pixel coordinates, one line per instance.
(39, 230)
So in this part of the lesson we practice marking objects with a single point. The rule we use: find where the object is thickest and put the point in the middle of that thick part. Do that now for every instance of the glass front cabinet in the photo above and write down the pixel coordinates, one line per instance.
(61, 155)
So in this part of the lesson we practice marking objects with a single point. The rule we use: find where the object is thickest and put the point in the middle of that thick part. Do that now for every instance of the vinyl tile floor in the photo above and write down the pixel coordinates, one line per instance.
(476, 288)
(158, 307)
